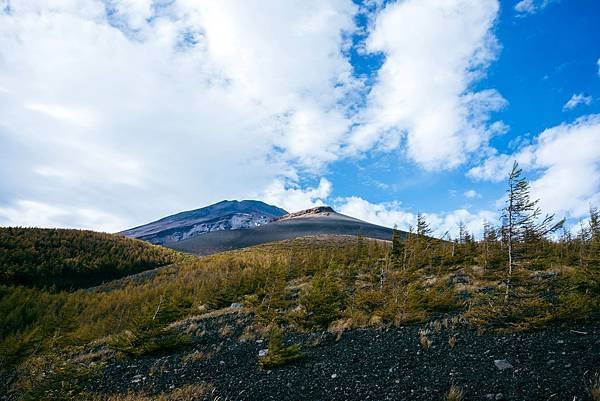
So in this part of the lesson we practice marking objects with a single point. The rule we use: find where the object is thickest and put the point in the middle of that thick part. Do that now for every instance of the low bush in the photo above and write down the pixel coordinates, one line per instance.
(279, 354)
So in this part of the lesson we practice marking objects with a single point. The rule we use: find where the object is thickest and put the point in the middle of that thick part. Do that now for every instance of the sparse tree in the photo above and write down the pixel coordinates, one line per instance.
(423, 229)
(521, 219)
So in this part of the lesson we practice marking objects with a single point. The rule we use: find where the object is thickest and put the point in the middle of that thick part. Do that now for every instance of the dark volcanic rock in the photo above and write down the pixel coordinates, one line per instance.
(371, 364)
(299, 225)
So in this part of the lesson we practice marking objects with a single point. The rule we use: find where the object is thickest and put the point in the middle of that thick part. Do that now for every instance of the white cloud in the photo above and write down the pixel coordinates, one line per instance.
(565, 161)
(391, 213)
(385, 214)
(81, 118)
(146, 108)
(525, 7)
(472, 194)
(598, 62)
(292, 197)
(28, 213)
(178, 104)
(434, 52)
(576, 100)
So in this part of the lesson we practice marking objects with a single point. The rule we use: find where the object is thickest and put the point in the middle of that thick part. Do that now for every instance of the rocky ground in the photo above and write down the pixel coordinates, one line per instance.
(406, 363)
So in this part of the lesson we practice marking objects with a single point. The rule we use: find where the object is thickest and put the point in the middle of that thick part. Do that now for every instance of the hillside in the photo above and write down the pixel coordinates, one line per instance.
(225, 215)
(72, 258)
(317, 221)
(411, 313)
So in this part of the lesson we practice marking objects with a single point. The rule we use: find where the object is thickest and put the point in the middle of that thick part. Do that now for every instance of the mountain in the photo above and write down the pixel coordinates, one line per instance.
(225, 215)
(316, 221)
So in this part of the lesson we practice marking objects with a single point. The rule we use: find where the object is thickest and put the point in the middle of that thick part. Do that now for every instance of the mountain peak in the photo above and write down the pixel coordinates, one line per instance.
(314, 211)
(224, 215)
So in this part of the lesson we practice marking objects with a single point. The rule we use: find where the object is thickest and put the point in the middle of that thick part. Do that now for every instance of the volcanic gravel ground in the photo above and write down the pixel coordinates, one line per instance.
(371, 364)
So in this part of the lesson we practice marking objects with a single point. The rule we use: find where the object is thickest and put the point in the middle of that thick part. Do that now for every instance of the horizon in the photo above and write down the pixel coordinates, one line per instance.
(116, 115)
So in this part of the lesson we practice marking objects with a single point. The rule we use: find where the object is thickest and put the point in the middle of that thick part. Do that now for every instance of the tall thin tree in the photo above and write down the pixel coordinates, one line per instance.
(521, 218)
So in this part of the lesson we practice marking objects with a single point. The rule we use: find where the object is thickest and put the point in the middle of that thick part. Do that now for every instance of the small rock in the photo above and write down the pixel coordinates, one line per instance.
(460, 279)
(236, 305)
(499, 397)
(568, 365)
(263, 352)
(490, 396)
(502, 364)
(221, 363)
(560, 342)
(333, 376)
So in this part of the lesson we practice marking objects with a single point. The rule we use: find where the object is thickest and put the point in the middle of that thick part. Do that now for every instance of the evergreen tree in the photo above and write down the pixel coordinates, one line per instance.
(397, 247)
(521, 217)
(423, 229)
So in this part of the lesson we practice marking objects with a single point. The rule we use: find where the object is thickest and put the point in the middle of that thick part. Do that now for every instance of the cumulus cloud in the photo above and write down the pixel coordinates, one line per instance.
(133, 109)
(145, 108)
(576, 100)
(26, 213)
(565, 165)
(292, 197)
(392, 213)
(434, 52)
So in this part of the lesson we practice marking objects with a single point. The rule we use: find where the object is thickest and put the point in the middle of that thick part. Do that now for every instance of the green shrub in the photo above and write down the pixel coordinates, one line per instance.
(148, 334)
(279, 354)
(324, 301)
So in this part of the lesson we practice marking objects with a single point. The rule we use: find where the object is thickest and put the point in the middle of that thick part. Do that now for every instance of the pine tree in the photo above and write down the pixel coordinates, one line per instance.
(594, 242)
(423, 229)
(397, 248)
(521, 219)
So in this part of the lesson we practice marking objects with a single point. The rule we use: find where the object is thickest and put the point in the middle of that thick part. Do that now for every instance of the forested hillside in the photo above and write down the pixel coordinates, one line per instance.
(66, 259)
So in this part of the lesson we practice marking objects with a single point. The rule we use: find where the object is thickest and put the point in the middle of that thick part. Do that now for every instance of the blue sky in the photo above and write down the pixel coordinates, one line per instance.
(116, 113)
(545, 58)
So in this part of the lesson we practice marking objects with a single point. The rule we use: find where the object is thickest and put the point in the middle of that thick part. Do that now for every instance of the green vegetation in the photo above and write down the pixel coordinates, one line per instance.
(148, 333)
(73, 258)
(279, 354)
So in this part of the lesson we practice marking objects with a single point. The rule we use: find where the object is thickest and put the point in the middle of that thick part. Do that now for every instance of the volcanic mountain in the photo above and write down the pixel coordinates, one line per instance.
(321, 220)
(225, 215)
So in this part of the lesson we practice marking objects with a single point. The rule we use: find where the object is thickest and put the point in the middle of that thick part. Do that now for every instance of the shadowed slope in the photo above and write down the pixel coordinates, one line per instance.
(318, 221)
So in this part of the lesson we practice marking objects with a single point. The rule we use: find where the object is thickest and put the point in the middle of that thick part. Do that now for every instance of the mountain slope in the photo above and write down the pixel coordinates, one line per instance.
(225, 215)
(73, 258)
(317, 221)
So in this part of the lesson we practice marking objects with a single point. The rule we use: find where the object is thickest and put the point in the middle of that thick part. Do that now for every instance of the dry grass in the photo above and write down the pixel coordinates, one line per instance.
(100, 355)
(194, 320)
(454, 393)
(195, 356)
(190, 392)
(425, 341)
(339, 326)
(452, 342)
(226, 331)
